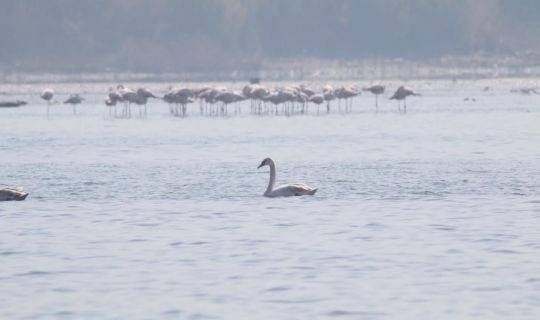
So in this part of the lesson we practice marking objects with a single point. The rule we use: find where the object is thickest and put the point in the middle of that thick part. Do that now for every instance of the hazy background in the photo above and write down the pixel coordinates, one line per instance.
(206, 35)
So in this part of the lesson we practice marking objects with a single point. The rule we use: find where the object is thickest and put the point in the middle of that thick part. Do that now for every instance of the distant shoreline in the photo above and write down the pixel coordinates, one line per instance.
(475, 67)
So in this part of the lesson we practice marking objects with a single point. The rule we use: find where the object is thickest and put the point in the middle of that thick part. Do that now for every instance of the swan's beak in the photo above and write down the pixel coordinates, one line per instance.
(262, 164)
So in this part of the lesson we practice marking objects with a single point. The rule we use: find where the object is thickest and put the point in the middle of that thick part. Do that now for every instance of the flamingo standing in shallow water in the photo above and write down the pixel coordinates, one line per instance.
(74, 100)
(329, 95)
(347, 93)
(181, 96)
(128, 96)
(317, 99)
(47, 95)
(143, 95)
(226, 98)
(401, 94)
(112, 99)
(376, 90)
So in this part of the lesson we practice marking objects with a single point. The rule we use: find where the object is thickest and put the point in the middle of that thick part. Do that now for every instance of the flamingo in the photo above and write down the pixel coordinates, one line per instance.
(346, 93)
(259, 93)
(128, 96)
(143, 95)
(329, 95)
(306, 90)
(112, 99)
(47, 95)
(301, 98)
(376, 90)
(317, 99)
(401, 94)
(226, 98)
(74, 100)
(274, 98)
(181, 96)
(287, 96)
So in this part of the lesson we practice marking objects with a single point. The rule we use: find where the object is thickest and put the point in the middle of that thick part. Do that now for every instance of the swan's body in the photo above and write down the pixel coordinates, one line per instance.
(12, 193)
(286, 190)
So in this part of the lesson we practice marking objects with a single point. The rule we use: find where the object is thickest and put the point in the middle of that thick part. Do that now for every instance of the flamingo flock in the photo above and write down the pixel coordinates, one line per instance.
(263, 100)
(217, 100)
(128, 97)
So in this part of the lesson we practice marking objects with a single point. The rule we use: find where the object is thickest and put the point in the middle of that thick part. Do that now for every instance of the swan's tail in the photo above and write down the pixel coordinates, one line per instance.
(312, 192)
(22, 197)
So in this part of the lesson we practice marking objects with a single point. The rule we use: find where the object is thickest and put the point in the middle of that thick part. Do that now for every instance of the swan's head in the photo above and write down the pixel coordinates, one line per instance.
(265, 162)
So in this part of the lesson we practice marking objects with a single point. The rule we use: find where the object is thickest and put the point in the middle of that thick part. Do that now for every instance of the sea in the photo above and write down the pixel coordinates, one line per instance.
(429, 214)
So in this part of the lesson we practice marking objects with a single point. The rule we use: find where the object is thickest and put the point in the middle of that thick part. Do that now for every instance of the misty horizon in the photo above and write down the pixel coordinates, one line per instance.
(195, 36)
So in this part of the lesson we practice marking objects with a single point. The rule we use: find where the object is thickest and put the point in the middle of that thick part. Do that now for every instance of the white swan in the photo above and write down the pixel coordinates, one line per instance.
(12, 193)
(286, 190)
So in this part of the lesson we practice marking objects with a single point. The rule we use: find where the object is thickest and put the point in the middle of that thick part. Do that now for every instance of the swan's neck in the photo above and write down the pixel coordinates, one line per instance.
(272, 180)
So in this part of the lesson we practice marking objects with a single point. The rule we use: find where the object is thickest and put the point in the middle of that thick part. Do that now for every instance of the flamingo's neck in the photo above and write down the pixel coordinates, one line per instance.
(272, 180)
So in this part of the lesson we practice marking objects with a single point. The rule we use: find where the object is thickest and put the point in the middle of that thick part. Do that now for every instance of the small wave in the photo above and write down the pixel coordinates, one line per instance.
(488, 240)
(505, 251)
(147, 224)
(442, 227)
(278, 289)
(9, 253)
(92, 183)
(34, 273)
(173, 312)
(426, 193)
(285, 225)
(199, 243)
(137, 240)
(487, 289)
(341, 313)
(374, 225)
(299, 301)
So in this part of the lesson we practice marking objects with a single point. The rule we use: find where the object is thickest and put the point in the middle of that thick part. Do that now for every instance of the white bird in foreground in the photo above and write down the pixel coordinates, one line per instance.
(286, 190)
(12, 193)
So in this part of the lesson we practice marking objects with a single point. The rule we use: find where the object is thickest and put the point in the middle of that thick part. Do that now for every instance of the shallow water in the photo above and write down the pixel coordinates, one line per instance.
(429, 215)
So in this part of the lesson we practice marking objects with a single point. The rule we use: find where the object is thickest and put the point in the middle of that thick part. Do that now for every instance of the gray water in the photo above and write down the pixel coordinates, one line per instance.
(429, 215)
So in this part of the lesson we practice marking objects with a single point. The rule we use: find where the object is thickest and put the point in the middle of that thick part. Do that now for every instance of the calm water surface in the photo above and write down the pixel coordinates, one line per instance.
(430, 215)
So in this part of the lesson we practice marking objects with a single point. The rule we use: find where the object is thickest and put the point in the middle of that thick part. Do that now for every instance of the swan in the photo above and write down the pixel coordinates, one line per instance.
(286, 190)
(12, 193)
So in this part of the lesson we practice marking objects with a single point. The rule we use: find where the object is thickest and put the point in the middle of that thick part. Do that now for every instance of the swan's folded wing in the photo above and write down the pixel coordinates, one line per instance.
(300, 187)
(16, 189)
(294, 189)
